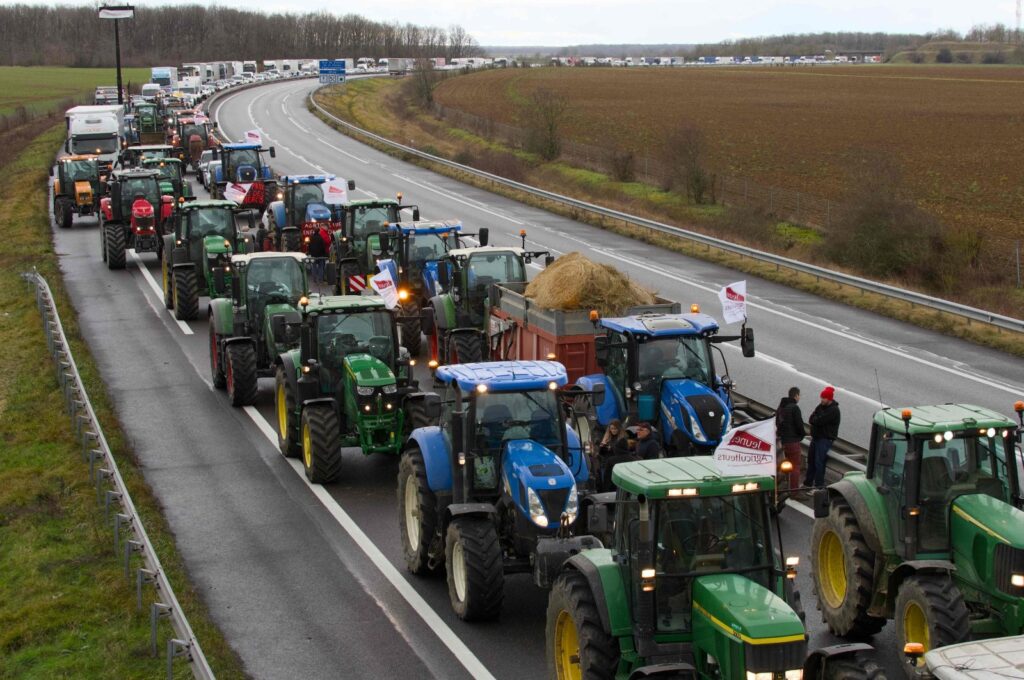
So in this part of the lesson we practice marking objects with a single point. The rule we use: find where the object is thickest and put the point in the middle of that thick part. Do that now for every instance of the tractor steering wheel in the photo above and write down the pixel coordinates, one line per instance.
(690, 542)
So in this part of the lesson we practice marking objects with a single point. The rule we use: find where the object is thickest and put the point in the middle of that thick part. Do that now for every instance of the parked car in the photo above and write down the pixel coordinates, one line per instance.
(207, 173)
(204, 159)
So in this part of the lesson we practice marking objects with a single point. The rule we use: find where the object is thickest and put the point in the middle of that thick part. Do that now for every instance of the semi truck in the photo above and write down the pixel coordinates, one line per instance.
(398, 66)
(96, 130)
(165, 76)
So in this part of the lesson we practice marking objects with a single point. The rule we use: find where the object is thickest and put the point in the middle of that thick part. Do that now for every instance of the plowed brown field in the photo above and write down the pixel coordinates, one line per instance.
(956, 133)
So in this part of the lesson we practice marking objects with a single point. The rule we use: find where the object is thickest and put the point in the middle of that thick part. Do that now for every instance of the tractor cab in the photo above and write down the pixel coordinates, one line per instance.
(209, 233)
(243, 176)
(172, 176)
(193, 135)
(132, 156)
(127, 187)
(418, 249)
(147, 118)
(304, 204)
(77, 188)
(661, 368)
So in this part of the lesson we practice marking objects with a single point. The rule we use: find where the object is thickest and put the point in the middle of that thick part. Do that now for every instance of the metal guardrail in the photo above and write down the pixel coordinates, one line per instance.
(103, 471)
(913, 297)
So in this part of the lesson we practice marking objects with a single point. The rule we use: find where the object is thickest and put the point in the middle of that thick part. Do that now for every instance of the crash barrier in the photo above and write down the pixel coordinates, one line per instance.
(130, 537)
(820, 273)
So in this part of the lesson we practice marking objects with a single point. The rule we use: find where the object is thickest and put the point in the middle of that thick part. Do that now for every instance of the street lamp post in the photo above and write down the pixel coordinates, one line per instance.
(117, 13)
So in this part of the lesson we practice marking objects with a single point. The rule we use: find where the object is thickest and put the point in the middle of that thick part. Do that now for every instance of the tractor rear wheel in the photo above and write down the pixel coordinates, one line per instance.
(186, 294)
(291, 240)
(284, 404)
(856, 666)
(417, 512)
(578, 646)
(113, 239)
(412, 333)
(168, 280)
(465, 348)
(321, 443)
(842, 567)
(240, 373)
(216, 367)
(930, 609)
(476, 574)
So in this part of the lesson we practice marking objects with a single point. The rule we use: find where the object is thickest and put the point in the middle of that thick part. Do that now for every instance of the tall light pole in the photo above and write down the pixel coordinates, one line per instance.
(117, 13)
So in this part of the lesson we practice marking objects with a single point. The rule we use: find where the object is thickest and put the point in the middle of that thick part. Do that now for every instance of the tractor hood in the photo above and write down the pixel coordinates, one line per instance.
(83, 192)
(368, 371)
(694, 408)
(987, 537)
(318, 212)
(748, 614)
(216, 245)
(529, 465)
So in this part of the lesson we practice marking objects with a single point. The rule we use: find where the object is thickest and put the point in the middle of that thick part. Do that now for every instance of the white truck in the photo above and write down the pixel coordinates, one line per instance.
(191, 87)
(96, 130)
(165, 76)
(398, 66)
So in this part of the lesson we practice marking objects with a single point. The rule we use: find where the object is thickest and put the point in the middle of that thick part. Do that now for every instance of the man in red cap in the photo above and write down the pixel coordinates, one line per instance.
(824, 430)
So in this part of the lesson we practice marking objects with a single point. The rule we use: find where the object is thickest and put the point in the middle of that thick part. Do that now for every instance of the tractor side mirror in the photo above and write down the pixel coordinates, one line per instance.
(331, 274)
(597, 520)
(886, 454)
(273, 152)
(601, 350)
(747, 341)
(427, 320)
(549, 260)
(351, 184)
(236, 289)
(220, 282)
(484, 236)
(279, 327)
(415, 213)
(598, 397)
(432, 407)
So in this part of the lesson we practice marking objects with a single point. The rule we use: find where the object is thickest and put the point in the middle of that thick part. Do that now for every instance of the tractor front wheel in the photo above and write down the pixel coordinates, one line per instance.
(284, 404)
(216, 367)
(186, 294)
(63, 212)
(856, 666)
(240, 373)
(321, 443)
(465, 348)
(930, 609)
(417, 512)
(476, 574)
(577, 644)
(843, 566)
(412, 333)
(113, 239)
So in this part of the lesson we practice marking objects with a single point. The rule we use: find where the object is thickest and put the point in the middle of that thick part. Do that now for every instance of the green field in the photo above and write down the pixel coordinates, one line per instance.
(39, 88)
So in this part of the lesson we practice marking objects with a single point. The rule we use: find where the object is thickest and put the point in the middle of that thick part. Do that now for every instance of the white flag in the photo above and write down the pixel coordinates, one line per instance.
(748, 450)
(734, 302)
(385, 287)
(253, 137)
(335, 191)
(236, 192)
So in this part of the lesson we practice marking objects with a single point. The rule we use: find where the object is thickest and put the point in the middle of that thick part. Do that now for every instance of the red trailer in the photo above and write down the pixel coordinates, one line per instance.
(519, 329)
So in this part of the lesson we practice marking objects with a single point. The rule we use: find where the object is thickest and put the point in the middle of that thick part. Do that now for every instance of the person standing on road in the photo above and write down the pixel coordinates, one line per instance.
(318, 251)
(824, 430)
(790, 424)
(647, 445)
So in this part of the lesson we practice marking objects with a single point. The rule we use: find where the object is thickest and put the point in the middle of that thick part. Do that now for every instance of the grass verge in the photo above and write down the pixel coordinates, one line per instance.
(38, 88)
(361, 98)
(66, 608)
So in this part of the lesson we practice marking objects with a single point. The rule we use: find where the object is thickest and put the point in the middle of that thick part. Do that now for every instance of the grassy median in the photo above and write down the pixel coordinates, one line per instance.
(66, 608)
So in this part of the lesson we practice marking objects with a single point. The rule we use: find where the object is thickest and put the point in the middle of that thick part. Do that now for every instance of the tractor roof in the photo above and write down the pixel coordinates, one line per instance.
(663, 325)
(79, 157)
(942, 418)
(208, 204)
(150, 147)
(504, 376)
(325, 304)
(136, 173)
(241, 146)
(425, 227)
(247, 258)
(466, 252)
(305, 179)
(371, 202)
(662, 477)
(160, 161)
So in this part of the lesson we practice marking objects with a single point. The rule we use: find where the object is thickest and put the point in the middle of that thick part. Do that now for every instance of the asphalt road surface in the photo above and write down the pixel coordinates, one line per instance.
(307, 581)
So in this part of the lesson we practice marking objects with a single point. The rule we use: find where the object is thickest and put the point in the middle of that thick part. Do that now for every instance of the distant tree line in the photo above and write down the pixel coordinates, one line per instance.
(63, 35)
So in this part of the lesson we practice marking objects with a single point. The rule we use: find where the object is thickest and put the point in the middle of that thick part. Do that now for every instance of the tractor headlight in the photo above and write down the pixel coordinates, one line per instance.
(795, 674)
(537, 510)
(390, 389)
(759, 676)
(726, 421)
(364, 391)
(695, 429)
(572, 506)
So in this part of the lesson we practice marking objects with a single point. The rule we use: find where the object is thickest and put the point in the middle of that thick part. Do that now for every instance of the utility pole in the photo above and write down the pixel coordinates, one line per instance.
(118, 13)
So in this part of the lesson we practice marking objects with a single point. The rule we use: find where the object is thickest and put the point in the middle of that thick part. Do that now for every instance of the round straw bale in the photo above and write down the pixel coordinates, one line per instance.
(574, 282)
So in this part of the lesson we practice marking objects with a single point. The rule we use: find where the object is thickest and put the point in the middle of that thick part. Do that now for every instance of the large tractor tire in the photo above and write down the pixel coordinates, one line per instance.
(842, 567)
(291, 240)
(417, 513)
(240, 373)
(186, 294)
(321, 443)
(856, 666)
(415, 416)
(930, 609)
(412, 332)
(216, 367)
(167, 278)
(577, 644)
(465, 348)
(63, 212)
(476, 574)
(284, 403)
(113, 239)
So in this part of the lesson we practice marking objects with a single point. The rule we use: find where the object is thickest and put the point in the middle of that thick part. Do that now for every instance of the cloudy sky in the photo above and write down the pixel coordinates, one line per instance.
(568, 22)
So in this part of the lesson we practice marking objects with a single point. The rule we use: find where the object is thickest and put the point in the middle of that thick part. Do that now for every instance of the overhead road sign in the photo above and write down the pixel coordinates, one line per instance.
(332, 71)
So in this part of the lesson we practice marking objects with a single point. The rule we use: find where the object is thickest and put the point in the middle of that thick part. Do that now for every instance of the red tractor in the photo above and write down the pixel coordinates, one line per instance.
(192, 135)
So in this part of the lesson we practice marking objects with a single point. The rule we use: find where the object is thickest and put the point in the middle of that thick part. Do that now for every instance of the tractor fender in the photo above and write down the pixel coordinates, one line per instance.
(817, 659)
(592, 573)
(239, 339)
(276, 211)
(106, 209)
(168, 243)
(436, 450)
(222, 316)
(664, 670)
(319, 400)
(482, 510)
(907, 569)
(849, 492)
(610, 409)
(291, 370)
(444, 312)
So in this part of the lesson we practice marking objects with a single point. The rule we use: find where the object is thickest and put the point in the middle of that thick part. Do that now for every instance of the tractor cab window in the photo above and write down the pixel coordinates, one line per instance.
(243, 164)
(508, 416)
(302, 196)
(673, 358)
(369, 220)
(79, 170)
(704, 535)
(140, 186)
(425, 247)
(272, 280)
(188, 130)
(616, 367)
(203, 223)
(485, 268)
(169, 171)
(339, 335)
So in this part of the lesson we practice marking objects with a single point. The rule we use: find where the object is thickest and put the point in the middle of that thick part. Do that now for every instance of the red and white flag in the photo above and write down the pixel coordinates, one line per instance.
(385, 287)
(748, 450)
(236, 192)
(335, 191)
(253, 137)
(734, 302)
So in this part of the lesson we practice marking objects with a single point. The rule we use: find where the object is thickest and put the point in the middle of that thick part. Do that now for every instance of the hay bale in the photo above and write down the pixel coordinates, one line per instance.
(573, 282)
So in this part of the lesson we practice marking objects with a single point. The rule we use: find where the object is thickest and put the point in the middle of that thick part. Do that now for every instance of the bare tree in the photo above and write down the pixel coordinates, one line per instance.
(542, 116)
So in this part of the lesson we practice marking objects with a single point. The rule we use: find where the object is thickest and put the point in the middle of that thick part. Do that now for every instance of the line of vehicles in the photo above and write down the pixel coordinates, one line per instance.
(663, 568)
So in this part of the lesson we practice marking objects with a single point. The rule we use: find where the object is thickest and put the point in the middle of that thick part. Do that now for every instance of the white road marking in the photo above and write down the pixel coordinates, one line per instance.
(159, 292)
(326, 143)
(801, 508)
(453, 197)
(434, 622)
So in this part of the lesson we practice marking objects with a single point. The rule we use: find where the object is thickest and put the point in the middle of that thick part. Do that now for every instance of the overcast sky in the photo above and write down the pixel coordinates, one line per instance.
(570, 22)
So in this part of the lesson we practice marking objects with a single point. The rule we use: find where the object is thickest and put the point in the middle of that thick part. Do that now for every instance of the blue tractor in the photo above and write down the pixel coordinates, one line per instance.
(302, 205)
(243, 176)
(660, 368)
(495, 488)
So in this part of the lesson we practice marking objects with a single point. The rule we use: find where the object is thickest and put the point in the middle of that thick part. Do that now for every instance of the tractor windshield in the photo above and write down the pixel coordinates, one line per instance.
(424, 247)
(370, 220)
(704, 535)
(273, 279)
(485, 268)
(79, 170)
(146, 186)
(302, 196)
(683, 356)
(169, 171)
(217, 222)
(365, 332)
(243, 162)
(505, 416)
(188, 130)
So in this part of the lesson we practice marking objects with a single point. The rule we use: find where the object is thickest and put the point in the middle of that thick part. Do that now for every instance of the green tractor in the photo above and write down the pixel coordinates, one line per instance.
(347, 384)
(76, 188)
(357, 244)
(692, 585)
(462, 311)
(197, 254)
(149, 123)
(243, 346)
(132, 156)
(172, 177)
(930, 535)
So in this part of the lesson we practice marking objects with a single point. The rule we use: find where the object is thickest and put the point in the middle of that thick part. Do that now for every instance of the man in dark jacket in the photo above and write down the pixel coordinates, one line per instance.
(647, 445)
(824, 430)
(317, 249)
(790, 423)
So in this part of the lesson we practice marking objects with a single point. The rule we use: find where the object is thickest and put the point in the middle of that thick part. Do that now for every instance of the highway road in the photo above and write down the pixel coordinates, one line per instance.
(307, 581)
